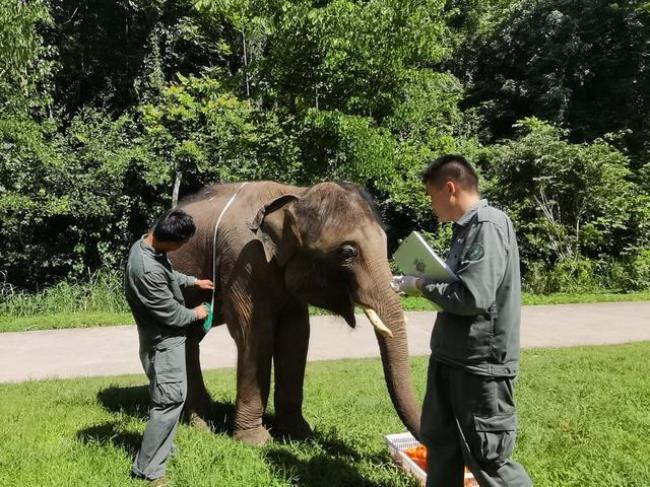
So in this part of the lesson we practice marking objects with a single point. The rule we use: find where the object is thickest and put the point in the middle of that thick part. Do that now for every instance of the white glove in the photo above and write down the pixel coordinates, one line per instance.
(406, 285)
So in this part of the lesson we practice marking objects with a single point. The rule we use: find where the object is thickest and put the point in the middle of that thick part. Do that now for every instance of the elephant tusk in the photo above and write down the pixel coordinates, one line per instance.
(375, 320)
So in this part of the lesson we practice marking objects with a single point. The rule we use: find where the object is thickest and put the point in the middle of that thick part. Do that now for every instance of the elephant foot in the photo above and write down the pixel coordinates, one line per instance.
(257, 436)
(196, 421)
(198, 411)
(293, 428)
(200, 402)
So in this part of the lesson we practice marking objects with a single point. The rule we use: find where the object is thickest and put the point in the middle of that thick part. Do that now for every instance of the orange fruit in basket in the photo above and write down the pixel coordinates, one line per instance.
(419, 455)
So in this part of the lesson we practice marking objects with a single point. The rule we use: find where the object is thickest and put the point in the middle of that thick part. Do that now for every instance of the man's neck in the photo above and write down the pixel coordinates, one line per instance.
(151, 242)
(466, 203)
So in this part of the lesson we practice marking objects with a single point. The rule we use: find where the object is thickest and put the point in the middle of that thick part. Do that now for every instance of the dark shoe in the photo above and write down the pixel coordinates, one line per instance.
(160, 482)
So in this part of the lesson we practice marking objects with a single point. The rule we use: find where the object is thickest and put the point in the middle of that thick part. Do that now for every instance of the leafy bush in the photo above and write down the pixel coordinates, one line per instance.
(566, 200)
(100, 291)
(580, 64)
(639, 271)
(103, 128)
(575, 275)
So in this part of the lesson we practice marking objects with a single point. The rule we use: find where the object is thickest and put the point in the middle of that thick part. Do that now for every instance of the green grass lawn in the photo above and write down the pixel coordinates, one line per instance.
(89, 319)
(584, 421)
(54, 321)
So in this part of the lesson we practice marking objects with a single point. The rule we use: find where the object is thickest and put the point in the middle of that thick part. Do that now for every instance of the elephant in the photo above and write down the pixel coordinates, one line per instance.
(278, 249)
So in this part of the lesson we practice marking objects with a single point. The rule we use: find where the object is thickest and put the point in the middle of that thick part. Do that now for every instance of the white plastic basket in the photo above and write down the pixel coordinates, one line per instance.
(399, 442)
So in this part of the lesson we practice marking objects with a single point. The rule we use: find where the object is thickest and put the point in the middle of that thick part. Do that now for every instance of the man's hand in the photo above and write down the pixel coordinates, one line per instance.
(205, 284)
(409, 285)
(201, 312)
(207, 323)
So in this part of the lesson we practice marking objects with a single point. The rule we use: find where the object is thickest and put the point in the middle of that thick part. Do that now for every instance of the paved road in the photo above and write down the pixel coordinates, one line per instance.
(114, 350)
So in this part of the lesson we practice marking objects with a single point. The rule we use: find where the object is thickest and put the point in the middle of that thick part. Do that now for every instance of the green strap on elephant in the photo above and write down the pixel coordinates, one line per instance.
(207, 323)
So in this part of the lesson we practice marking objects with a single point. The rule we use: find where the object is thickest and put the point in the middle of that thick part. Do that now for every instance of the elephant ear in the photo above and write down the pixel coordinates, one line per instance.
(276, 227)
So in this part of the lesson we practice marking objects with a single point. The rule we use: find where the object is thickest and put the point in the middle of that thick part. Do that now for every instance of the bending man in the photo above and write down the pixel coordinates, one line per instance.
(153, 291)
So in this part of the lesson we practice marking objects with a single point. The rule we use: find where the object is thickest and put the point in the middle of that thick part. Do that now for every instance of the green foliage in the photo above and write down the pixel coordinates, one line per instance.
(347, 147)
(575, 207)
(349, 56)
(25, 61)
(441, 240)
(573, 275)
(203, 132)
(111, 111)
(101, 291)
(567, 200)
(114, 55)
(639, 271)
(71, 200)
(581, 64)
(28, 166)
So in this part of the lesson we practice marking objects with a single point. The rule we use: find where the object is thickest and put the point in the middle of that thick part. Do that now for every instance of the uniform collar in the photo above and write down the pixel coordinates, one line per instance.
(464, 220)
(149, 249)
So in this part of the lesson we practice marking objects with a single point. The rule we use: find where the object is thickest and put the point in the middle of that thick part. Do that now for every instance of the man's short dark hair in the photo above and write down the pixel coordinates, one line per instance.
(451, 167)
(175, 226)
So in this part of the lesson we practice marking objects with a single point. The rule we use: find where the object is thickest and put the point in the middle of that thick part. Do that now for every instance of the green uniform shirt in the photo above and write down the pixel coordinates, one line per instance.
(478, 328)
(153, 291)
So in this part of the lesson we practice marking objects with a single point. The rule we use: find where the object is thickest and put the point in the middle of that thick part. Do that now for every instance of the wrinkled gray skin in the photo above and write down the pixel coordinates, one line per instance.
(280, 248)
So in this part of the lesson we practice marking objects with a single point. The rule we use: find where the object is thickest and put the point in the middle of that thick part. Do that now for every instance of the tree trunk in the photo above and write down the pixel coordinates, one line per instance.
(177, 185)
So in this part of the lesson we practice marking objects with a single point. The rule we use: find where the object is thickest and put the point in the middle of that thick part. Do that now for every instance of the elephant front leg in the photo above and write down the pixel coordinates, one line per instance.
(253, 383)
(290, 359)
(198, 407)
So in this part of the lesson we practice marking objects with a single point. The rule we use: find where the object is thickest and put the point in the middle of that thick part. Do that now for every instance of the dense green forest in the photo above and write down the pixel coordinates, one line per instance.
(112, 110)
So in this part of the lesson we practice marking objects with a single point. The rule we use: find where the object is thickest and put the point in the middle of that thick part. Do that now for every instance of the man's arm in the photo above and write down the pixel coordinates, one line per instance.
(189, 281)
(159, 300)
(478, 277)
(184, 280)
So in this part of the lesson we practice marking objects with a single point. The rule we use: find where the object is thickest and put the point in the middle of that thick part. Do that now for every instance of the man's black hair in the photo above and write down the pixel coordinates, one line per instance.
(451, 167)
(175, 226)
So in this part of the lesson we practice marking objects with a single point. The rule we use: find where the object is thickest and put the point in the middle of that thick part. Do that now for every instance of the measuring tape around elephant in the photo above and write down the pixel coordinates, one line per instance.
(214, 242)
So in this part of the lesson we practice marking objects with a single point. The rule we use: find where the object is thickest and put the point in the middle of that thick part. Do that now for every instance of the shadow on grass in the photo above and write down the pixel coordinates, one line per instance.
(111, 434)
(134, 401)
(336, 463)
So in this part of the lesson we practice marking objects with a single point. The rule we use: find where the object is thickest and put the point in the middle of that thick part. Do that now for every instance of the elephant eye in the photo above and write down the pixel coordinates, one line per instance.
(348, 252)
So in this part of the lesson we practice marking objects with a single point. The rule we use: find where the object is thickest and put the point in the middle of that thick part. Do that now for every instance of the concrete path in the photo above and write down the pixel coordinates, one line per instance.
(114, 350)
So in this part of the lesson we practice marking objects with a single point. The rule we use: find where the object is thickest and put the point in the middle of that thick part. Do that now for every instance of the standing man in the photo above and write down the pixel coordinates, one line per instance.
(468, 415)
(153, 291)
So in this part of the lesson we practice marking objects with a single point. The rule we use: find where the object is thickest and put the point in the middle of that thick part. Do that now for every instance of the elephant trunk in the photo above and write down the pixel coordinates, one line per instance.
(395, 359)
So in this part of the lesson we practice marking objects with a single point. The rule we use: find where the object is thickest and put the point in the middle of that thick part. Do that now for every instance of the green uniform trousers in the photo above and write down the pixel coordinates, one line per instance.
(469, 419)
(165, 368)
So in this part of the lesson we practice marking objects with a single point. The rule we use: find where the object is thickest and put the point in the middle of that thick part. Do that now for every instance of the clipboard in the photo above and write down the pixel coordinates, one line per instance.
(414, 257)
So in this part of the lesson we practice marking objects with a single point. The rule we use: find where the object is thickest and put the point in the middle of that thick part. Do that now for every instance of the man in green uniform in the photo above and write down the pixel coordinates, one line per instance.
(153, 291)
(468, 415)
